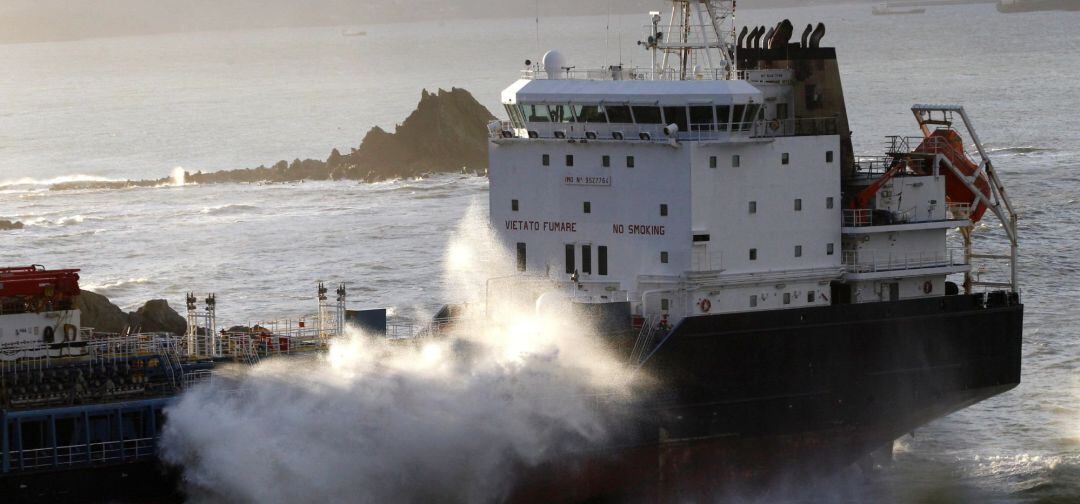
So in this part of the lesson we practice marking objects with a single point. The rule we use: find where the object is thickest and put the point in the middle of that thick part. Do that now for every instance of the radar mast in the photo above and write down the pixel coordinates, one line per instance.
(696, 43)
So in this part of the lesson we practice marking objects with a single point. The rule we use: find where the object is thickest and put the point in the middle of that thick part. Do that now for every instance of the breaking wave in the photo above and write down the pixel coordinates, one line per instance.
(444, 419)
(113, 287)
(30, 182)
(229, 209)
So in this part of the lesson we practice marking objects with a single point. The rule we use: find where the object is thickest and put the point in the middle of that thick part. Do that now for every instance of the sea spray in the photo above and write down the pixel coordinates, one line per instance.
(178, 176)
(446, 419)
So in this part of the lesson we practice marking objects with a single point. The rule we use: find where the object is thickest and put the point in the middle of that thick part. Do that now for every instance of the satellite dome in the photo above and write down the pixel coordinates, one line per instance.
(554, 62)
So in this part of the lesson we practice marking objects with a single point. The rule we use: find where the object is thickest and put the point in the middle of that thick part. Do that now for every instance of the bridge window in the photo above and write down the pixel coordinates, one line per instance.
(586, 259)
(606, 161)
(601, 260)
(570, 266)
(723, 117)
(520, 256)
(676, 115)
(514, 205)
(590, 113)
(752, 114)
(560, 113)
(701, 118)
(619, 114)
(536, 113)
(647, 115)
(737, 116)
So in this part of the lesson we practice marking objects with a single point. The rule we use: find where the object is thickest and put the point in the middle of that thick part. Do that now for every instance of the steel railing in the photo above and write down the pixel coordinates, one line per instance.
(656, 132)
(870, 261)
(82, 454)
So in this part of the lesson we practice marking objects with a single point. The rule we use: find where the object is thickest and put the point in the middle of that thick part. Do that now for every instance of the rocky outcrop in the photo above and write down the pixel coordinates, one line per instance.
(446, 133)
(6, 225)
(105, 317)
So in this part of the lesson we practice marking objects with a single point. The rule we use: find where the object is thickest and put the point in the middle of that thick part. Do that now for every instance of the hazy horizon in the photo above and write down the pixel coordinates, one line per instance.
(50, 20)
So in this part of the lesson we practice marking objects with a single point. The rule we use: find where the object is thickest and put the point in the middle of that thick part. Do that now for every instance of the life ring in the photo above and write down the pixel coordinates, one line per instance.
(705, 305)
(774, 124)
(927, 287)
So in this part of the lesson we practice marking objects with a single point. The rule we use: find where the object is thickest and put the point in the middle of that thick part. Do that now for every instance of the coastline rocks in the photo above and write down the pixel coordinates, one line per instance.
(7, 225)
(105, 317)
(447, 133)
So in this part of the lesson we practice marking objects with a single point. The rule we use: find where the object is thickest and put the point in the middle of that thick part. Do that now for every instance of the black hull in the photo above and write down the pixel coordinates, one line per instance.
(750, 400)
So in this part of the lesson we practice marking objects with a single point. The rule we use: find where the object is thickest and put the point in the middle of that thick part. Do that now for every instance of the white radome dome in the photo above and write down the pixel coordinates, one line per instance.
(554, 62)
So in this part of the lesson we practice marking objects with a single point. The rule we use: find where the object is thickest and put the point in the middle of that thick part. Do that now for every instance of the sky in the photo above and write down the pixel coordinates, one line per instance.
(40, 20)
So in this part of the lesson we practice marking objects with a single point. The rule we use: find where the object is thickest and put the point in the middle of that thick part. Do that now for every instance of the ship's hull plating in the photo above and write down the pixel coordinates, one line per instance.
(750, 400)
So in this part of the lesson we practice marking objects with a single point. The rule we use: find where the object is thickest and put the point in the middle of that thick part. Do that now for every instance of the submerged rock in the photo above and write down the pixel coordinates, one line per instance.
(447, 133)
(6, 225)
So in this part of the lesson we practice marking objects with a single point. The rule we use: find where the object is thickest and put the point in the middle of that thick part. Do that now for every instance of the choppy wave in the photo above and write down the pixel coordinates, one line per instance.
(229, 209)
(114, 286)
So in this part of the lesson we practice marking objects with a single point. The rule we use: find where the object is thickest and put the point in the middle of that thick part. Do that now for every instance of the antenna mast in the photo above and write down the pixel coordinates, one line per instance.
(694, 44)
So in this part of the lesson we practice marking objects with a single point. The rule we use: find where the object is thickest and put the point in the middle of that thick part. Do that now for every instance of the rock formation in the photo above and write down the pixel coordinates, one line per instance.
(446, 133)
(6, 225)
(154, 316)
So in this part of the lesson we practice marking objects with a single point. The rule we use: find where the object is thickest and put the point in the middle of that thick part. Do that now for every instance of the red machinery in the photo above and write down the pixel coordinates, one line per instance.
(38, 282)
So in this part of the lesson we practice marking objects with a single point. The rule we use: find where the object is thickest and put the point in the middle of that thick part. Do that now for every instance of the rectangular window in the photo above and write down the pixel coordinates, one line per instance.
(545, 160)
(520, 256)
(753, 207)
(829, 249)
(701, 238)
(810, 297)
(586, 259)
(723, 117)
(514, 205)
(605, 161)
(664, 304)
(569, 160)
(828, 156)
(752, 112)
(570, 266)
(753, 254)
(663, 209)
(647, 115)
(701, 118)
(619, 114)
(712, 161)
(829, 202)
(798, 251)
(753, 300)
(787, 298)
(536, 113)
(785, 158)
(587, 207)
(737, 117)
(590, 113)
(629, 161)
(735, 161)
(663, 257)
(601, 260)
(781, 111)
(798, 204)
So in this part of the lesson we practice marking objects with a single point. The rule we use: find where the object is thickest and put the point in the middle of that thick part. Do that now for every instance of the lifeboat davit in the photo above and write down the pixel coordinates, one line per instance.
(948, 143)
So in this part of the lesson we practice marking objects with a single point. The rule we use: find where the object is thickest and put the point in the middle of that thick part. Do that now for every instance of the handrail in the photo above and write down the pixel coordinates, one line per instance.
(870, 261)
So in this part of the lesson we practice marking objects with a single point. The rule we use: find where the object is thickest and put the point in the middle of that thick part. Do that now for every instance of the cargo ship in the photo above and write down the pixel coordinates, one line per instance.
(800, 307)
(796, 307)
(1013, 6)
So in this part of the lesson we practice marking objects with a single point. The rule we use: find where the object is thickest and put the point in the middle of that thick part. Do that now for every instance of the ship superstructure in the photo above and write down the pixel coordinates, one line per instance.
(795, 301)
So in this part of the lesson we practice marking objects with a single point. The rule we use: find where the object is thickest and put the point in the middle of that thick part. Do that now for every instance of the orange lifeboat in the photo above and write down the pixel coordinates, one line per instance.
(948, 143)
